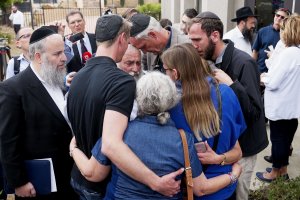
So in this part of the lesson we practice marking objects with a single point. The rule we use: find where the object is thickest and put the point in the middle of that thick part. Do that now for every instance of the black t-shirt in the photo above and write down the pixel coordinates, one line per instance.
(97, 87)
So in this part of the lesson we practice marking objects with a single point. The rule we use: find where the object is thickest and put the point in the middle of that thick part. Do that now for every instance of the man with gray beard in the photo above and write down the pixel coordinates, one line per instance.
(34, 124)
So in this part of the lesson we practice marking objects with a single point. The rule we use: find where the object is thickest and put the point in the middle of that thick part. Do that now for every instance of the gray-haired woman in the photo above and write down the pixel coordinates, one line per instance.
(153, 137)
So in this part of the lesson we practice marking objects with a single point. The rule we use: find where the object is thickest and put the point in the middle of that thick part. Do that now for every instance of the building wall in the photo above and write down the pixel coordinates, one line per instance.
(225, 9)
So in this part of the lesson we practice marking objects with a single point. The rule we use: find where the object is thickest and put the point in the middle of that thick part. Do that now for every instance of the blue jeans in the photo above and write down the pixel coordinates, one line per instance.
(84, 193)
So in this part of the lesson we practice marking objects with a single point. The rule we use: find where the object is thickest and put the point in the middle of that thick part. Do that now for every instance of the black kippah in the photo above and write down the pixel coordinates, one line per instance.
(139, 23)
(207, 15)
(40, 34)
(107, 27)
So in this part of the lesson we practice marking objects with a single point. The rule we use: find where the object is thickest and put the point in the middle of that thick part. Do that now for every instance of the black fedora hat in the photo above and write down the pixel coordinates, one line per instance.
(242, 13)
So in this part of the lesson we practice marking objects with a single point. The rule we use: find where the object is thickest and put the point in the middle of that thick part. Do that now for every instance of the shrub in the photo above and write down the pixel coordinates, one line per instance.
(141, 2)
(6, 32)
(278, 189)
(152, 9)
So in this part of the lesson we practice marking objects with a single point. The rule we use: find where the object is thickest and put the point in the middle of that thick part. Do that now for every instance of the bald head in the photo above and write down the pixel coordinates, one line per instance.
(22, 39)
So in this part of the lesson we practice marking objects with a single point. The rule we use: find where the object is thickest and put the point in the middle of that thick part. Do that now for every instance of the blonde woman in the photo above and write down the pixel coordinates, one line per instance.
(282, 99)
(208, 110)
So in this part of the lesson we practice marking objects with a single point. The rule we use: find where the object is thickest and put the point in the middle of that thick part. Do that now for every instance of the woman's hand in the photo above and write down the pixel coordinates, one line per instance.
(236, 169)
(209, 157)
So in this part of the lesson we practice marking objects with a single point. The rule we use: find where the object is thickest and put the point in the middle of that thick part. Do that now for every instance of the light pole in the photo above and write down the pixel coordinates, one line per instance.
(31, 12)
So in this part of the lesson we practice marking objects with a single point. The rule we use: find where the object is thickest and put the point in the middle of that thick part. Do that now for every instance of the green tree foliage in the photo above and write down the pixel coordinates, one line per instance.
(141, 2)
(152, 9)
(122, 3)
(5, 4)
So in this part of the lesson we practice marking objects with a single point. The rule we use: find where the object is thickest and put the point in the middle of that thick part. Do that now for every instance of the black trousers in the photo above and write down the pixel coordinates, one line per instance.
(282, 133)
(17, 27)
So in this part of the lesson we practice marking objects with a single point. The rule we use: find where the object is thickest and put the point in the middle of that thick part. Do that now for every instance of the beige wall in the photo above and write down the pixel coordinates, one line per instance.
(225, 9)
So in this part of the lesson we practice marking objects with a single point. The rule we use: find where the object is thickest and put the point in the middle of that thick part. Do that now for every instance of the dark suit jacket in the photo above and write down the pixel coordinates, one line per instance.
(32, 127)
(75, 63)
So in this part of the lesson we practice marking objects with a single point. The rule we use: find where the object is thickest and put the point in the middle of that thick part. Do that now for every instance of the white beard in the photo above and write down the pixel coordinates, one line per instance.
(51, 74)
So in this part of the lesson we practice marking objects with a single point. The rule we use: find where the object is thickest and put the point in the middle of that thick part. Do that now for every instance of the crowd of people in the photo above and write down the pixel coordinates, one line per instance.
(106, 107)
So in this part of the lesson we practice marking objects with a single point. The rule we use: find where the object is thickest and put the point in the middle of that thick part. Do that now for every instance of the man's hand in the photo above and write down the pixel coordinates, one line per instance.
(26, 190)
(61, 28)
(222, 77)
(69, 78)
(168, 186)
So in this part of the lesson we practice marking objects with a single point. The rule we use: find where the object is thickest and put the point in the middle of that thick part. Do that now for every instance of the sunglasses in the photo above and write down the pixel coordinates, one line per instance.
(281, 17)
(28, 35)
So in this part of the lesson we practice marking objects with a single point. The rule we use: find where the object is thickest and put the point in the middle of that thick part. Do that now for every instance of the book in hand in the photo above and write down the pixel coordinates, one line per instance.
(39, 174)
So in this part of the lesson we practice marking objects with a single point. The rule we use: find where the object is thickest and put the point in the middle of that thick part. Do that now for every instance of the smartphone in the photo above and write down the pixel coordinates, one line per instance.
(200, 147)
(76, 37)
(53, 28)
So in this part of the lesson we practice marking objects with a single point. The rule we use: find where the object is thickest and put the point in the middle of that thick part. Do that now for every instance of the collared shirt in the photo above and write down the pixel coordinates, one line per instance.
(220, 57)
(265, 37)
(86, 43)
(282, 82)
(56, 94)
(24, 63)
(17, 18)
(236, 36)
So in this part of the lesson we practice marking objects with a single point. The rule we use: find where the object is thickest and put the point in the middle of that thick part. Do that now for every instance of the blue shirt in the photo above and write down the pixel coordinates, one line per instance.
(266, 36)
(160, 148)
(232, 126)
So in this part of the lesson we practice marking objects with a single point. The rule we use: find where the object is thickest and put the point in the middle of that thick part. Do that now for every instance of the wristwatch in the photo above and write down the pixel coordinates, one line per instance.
(233, 178)
(223, 162)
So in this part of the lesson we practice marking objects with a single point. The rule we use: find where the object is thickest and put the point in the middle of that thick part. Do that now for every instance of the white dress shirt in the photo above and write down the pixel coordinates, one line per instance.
(282, 96)
(86, 43)
(17, 18)
(10, 66)
(56, 94)
(236, 36)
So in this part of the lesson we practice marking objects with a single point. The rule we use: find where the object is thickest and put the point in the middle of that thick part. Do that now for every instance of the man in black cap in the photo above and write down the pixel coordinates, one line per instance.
(99, 105)
(148, 36)
(238, 70)
(34, 124)
(242, 35)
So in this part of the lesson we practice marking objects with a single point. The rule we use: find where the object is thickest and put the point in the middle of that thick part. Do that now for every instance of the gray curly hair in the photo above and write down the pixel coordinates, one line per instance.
(156, 93)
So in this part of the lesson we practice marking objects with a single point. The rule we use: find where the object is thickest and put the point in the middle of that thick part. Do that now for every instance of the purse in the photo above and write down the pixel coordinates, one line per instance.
(187, 182)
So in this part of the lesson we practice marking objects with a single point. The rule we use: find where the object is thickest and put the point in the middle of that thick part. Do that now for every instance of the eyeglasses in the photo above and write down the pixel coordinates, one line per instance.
(280, 16)
(28, 35)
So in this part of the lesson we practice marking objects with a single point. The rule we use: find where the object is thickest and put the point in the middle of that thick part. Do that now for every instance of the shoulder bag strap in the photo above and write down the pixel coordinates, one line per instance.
(187, 164)
(216, 138)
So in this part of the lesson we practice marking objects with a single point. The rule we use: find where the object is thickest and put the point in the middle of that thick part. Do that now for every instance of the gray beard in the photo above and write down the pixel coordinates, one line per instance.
(52, 75)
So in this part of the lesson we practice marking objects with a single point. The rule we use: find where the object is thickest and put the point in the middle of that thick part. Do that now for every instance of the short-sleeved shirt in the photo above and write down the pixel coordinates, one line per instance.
(160, 148)
(97, 87)
(266, 36)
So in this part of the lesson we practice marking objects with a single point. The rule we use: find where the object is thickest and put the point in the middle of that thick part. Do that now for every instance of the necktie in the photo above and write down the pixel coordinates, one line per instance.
(83, 50)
